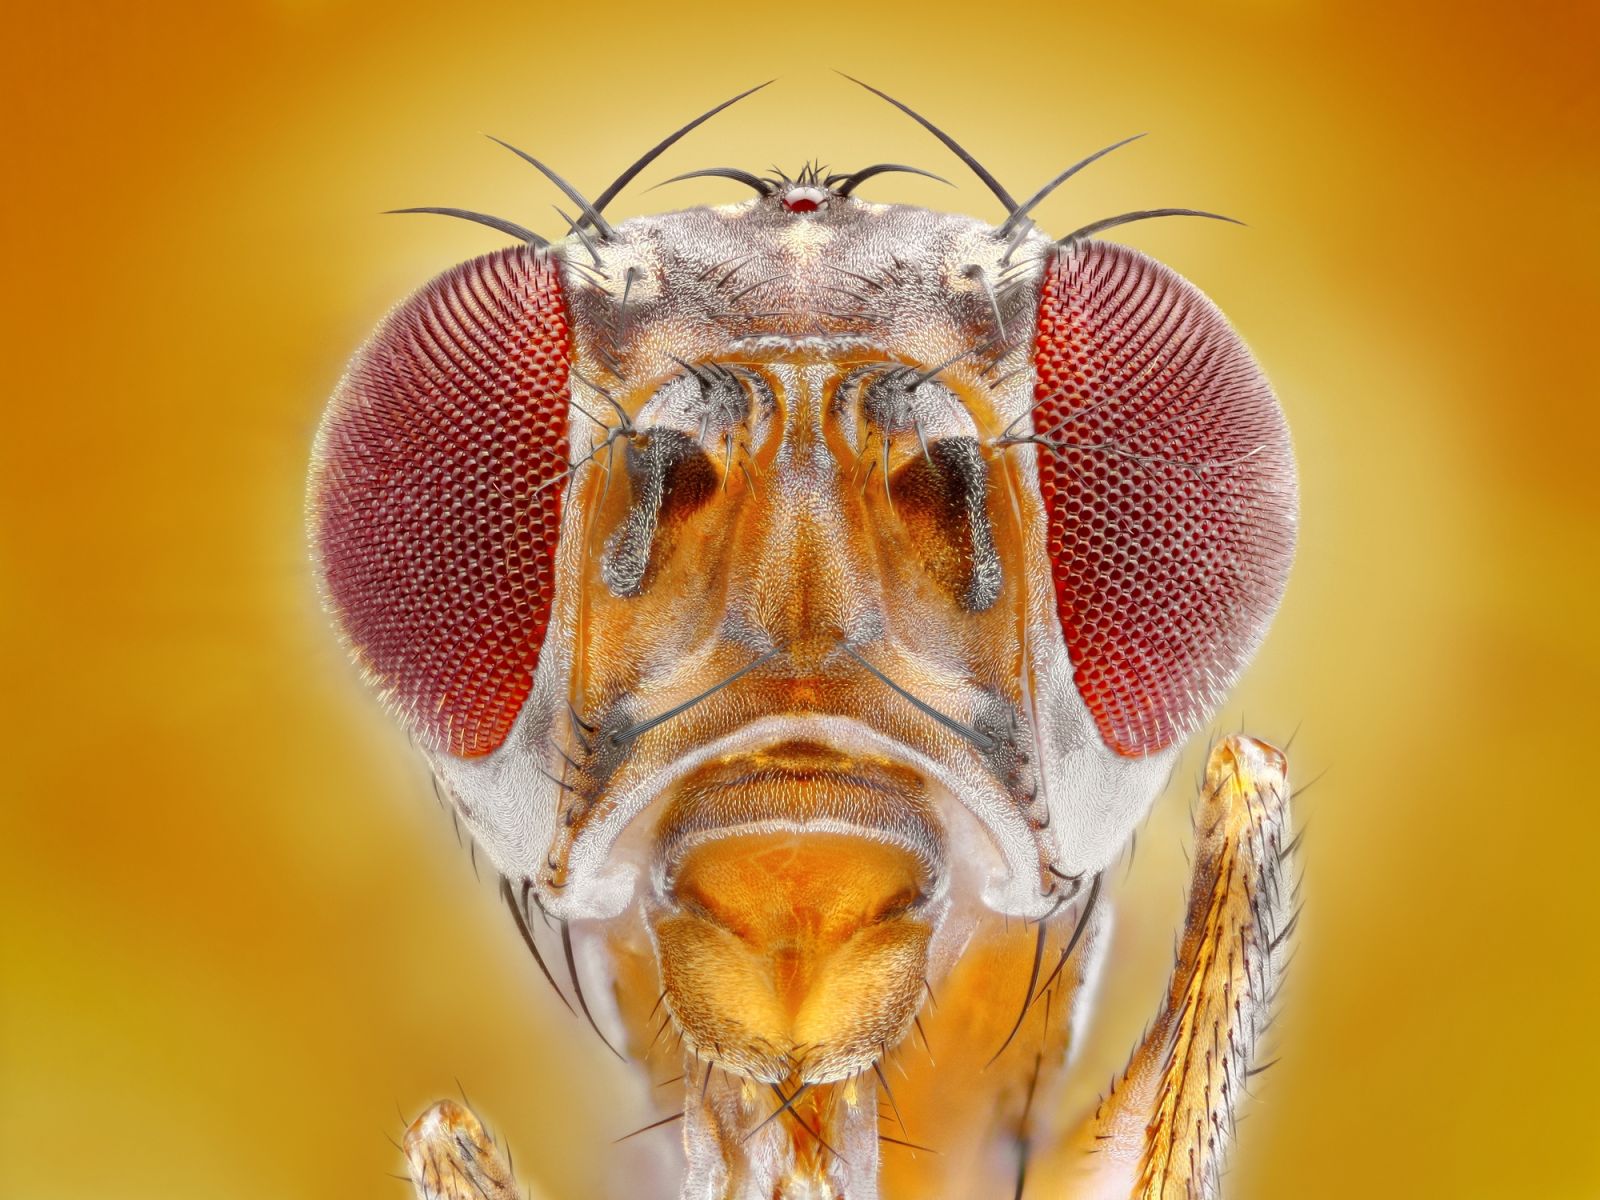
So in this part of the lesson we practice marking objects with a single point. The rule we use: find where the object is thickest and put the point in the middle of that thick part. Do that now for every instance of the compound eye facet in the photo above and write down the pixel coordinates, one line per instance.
(1168, 485)
(435, 500)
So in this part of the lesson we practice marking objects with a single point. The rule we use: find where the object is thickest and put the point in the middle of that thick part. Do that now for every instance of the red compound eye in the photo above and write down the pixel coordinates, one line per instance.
(436, 496)
(1169, 491)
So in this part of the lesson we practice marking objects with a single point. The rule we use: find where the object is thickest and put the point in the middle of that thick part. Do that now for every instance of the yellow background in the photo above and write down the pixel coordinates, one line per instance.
(237, 934)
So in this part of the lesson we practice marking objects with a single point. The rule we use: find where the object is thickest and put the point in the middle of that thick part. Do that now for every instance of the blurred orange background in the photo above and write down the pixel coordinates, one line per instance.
(238, 934)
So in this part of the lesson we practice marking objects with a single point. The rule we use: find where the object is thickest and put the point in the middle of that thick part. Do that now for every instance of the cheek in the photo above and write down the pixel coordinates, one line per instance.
(1169, 490)
(436, 497)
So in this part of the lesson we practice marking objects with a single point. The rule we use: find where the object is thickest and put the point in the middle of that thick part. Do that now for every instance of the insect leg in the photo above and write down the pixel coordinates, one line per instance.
(452, 1157)
(1163, 1130)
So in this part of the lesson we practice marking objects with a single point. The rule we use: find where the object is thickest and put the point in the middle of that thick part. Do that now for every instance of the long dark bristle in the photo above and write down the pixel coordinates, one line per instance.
(779, 1111)
(647, 1128)
(661, 147)
(806, 1125)
(883, 1080)
(577, 990)
(977, 168)
(1128, 218)
(1027, 205)
(918, 380)
(894, 1141)
(527, 938)
(1033, 978)
(843, 185)
(478, 218)
(762, 186)
(581, 234)
(981, 740)
(622, 736)
(1077, 932)
(573, 194)
(1024, 1147)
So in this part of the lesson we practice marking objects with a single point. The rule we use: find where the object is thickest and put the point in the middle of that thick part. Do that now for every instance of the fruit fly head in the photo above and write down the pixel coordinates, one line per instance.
(802, 574)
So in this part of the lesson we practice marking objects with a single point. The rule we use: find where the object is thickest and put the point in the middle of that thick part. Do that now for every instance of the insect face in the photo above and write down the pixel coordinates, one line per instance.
(803, 579)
